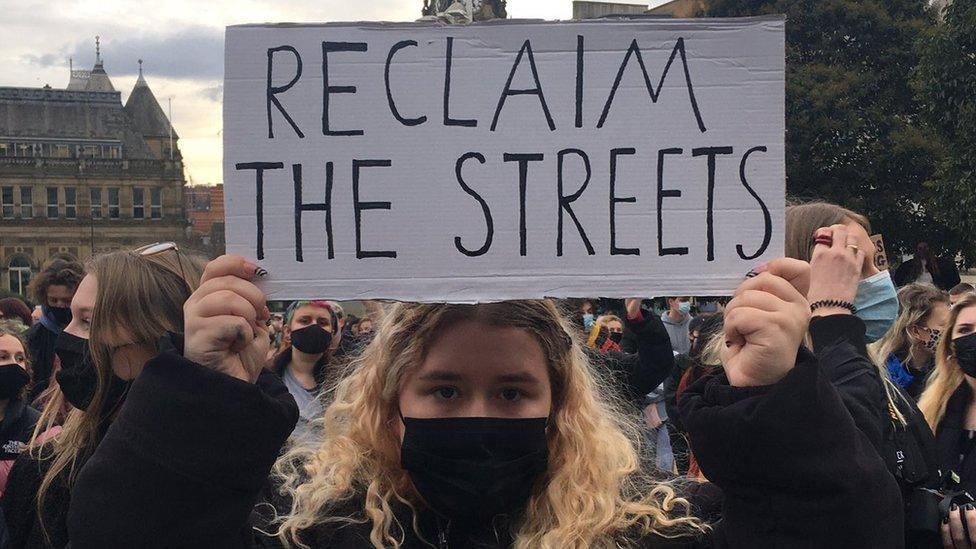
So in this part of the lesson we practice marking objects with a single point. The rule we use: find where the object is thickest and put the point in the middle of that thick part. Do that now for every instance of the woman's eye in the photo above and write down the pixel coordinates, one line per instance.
(446, 393)
(511, 395)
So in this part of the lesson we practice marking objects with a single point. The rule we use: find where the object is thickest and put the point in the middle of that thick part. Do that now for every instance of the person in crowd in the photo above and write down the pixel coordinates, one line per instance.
(53, 289)
(704, 358)
(907, 351)
(950, 410)
(124, 311)
(13, 309)
(36, 314)
(677, 319)
(879, 407)
(364, 328)
(587, 310)
(927, 268)
(304, 358)
(337, 348)
(959, 291)
(17, 419)
(480, 425)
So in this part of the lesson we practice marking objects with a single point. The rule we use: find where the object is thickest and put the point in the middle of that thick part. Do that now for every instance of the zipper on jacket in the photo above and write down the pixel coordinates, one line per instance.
(442, 535)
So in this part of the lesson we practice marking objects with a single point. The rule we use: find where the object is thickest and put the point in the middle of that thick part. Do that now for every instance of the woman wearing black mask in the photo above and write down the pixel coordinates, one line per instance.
(305, 354)
(122, 311)
(478, 425)
(950, 410)
(17, 419)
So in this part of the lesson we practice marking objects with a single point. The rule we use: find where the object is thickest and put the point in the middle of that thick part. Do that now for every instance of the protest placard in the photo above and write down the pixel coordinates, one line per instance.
(506, 160)
(880, 255)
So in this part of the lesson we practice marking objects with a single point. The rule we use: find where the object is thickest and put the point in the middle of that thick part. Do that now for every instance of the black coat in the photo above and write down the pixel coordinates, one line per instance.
(945, 279)
(20, 505)
(649, 361)
(189, 452)
(955, 451)
(40, 343)
(16, 428)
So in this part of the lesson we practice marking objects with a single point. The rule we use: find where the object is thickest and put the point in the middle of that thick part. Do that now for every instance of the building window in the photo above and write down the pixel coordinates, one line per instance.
(52, 202)
(61, 151)
(113, 202)
(5, 149)
(156, 203)
(27, 202)
(138, 203)
(70, 203)
(19, 273)
(7, 200)
(96, 203)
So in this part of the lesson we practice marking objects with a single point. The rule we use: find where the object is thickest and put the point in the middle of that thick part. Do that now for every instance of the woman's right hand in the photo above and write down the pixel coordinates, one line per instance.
(765, 323)
(225, 320)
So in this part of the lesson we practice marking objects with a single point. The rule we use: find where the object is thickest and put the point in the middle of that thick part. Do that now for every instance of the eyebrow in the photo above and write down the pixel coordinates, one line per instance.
(441, 375)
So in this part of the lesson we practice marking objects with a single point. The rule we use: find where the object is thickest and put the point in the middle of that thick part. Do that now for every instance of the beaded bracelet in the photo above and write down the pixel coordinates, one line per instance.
(834, 303)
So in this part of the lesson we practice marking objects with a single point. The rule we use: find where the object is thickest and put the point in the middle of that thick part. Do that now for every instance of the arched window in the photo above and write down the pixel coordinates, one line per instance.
(19, 274)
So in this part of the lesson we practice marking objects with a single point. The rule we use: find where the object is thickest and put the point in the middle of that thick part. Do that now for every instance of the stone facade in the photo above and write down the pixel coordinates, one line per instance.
(81, 174)
(205, 210)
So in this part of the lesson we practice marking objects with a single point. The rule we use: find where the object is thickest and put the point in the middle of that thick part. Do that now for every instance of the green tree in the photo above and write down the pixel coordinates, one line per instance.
(854, 130)
(946, 82)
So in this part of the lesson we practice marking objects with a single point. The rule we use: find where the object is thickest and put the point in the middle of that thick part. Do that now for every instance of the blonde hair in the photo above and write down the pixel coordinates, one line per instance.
(593, 493)
(142, 294)
(947, 377)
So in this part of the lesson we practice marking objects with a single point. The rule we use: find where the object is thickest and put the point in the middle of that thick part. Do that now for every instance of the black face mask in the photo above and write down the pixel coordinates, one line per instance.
(473, 469)
(616, 337)
(78, 378)
(61, 315)
(13, 378)
(313, 339)
(965, 350)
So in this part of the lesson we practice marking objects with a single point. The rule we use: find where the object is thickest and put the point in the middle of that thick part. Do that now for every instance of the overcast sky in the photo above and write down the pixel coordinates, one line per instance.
(181, 44)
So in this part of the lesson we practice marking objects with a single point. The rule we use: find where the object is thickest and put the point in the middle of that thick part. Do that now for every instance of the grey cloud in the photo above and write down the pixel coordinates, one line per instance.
(213, 93)
(194, 53)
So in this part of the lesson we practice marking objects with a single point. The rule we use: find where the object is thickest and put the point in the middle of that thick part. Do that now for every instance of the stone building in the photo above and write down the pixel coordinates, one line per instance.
(205, 211)
(81, 173)
(671, 8)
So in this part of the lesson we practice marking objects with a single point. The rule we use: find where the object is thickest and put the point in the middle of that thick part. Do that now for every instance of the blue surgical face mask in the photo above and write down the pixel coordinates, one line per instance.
(588, 320)
(684, 307)
(877, 305)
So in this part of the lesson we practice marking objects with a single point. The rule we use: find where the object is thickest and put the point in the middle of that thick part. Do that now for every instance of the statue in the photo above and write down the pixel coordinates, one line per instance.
(465, 11)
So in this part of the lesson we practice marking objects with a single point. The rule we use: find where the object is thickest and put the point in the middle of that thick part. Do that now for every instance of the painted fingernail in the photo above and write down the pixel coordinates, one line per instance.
(945, 519)
(954, 507)
(969, 507)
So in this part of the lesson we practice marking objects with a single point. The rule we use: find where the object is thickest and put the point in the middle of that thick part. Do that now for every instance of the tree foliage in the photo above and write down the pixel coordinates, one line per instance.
(856, 132)
(946, 83)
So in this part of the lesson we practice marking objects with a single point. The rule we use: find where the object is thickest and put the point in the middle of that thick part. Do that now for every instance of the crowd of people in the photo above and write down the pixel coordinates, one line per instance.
(155, 400)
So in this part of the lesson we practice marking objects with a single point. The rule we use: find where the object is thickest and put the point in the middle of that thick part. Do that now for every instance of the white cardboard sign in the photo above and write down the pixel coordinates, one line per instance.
(506, 160)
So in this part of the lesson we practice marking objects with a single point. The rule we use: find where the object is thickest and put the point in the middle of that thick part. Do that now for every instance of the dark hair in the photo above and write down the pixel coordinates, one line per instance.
(58, 272)
(958, 289)
(13, 308)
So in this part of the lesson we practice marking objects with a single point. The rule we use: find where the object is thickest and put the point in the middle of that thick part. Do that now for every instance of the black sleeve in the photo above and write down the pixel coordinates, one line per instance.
(838, 341)
(795, 470)
(19, 501)
(827, 330)
(671, 383)
(950, 273)
(643, 371)
(184, 461)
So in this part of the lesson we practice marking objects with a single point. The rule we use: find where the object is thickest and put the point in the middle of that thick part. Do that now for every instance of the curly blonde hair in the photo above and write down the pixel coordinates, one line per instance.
(594, 493)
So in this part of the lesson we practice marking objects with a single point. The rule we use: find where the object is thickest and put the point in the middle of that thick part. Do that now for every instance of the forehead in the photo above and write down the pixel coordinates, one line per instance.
(967, 315)
(478, 351)
(313, 311)
(939, 314)
(86, 293)
(10, 344)
(58, 290)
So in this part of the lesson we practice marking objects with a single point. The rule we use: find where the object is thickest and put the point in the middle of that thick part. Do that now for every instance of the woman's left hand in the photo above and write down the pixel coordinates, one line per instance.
(954, 533)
